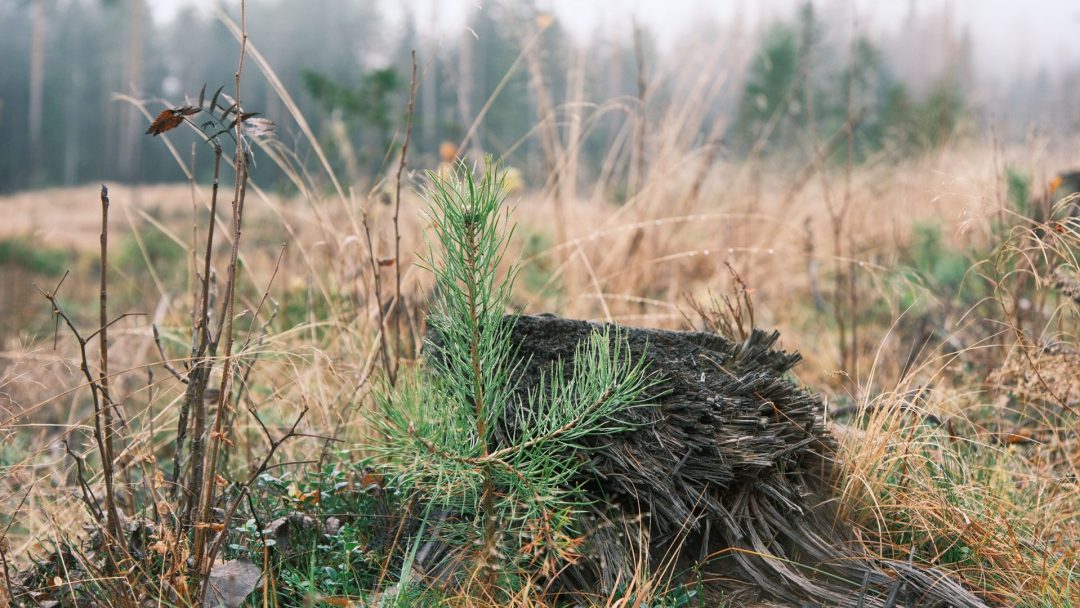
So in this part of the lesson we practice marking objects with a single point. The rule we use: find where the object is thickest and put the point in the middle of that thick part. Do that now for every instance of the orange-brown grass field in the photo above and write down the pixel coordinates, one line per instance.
(955, 413)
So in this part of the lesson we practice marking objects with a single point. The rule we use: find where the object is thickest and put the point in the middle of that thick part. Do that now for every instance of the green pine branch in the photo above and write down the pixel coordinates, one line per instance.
(437, 425)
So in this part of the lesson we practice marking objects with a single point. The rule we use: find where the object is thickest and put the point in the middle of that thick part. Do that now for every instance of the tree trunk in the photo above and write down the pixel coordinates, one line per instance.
(37, 86)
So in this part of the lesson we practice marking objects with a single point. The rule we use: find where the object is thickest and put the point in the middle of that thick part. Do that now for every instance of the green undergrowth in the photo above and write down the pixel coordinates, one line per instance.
(24, 253)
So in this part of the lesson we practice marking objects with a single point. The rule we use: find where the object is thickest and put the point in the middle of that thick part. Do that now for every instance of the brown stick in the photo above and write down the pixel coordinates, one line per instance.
(4, 562)
(98, 390)
(384, 350)
(88, 497)
(392, 366)
(4, 546)
(203, 347)
(225, 325)
(105, 411)
(397, 198)
(169, 367)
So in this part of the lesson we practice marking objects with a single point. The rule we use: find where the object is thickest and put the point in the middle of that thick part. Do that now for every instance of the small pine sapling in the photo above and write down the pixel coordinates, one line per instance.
(438, 425)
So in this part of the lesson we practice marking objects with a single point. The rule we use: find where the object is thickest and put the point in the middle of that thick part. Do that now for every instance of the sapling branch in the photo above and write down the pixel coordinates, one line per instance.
(165, 359)
(88, 497)
(202, 557)
(397, 195)
(203, 349)
(116, 320)
(99, 386)
(376, 278)
(106, 411)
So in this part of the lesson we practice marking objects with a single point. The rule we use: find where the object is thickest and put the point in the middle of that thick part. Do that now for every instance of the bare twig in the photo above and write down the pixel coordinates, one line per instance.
(80, 476)
(264, 331)
(107, 453)
(405, 515)
(56, 326)
(4, 543)
(103, 404)
(384, 351)
(262, 299)
(202, 558)
(259, 470)
(94, 333)
(164, 359)
(203, 349)
(4, 562)
(397, 179)
(250, 364)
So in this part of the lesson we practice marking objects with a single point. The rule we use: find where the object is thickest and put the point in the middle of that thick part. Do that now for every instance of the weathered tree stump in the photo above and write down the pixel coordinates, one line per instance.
(728, 468)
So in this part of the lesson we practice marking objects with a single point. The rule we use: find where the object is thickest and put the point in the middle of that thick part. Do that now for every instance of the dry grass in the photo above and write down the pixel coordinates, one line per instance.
(996, 493)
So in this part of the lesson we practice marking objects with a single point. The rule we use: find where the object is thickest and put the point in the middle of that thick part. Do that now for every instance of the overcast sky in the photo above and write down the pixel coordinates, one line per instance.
(1009, 35)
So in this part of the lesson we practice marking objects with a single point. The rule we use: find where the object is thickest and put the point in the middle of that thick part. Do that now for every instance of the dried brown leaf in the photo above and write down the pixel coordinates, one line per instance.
(169, 119)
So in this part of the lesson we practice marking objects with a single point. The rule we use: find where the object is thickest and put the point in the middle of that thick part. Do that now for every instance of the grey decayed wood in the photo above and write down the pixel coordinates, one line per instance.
(730, 458)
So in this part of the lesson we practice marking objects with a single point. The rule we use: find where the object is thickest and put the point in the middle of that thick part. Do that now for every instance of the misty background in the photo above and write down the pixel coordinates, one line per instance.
(911, 75)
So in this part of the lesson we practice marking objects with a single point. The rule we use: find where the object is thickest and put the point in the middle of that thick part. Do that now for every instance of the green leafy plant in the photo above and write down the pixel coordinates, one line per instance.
(514, 491)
